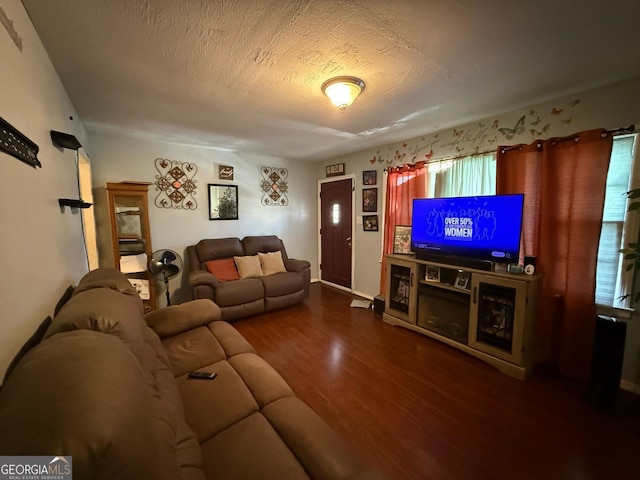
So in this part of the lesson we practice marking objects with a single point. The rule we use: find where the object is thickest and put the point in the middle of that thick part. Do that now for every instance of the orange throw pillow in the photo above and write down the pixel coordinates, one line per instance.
(224, 269)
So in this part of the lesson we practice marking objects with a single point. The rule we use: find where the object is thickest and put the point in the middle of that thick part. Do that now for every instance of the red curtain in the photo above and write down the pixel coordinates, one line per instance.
(403, 185)
(564, 184)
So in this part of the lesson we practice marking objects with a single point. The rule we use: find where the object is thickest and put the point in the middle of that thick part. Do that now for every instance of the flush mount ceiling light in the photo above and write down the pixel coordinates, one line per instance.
(342, 91)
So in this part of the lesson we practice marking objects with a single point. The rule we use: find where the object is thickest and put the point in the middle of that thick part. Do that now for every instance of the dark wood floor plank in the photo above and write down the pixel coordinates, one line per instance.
(419, 409)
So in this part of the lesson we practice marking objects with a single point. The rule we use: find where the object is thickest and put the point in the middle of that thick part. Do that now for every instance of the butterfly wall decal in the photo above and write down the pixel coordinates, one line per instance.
(567, 120)
(495, 125)
(399, 157)
(539, 133)
(373, 160)
(509, 133)
(429, 155)
(457, 133)
(536, 122)
(574, 103)
(556, 111)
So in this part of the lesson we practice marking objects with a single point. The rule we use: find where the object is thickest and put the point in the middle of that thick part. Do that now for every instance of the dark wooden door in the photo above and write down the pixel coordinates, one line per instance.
(335, 232)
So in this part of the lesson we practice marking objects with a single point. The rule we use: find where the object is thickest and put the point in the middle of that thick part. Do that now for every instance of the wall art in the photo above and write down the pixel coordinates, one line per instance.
(335, 170)
(225, 172)
(369, 177)
(369, 199)
(370, 223)
(223, 202)
(274, 186)
(176, 184)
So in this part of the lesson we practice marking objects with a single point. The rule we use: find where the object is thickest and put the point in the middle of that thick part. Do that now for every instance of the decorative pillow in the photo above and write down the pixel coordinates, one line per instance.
(248, 266)
(224, 269)
(271, 262)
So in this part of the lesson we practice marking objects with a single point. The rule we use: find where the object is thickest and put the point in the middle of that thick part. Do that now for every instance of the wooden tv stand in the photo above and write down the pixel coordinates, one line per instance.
(489, 315)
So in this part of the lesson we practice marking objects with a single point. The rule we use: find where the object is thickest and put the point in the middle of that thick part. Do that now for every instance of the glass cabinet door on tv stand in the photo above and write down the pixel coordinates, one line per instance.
(401, 295)
(497, 317)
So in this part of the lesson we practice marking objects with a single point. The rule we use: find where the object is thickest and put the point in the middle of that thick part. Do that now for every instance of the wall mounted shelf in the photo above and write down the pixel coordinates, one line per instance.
(64, 140)
(73, 203)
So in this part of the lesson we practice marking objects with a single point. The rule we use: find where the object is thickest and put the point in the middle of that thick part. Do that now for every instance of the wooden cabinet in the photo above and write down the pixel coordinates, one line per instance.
(489, 315)
(122, 220)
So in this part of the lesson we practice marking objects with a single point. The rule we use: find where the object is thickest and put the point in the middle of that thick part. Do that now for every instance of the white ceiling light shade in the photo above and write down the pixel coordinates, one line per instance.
(342, 91)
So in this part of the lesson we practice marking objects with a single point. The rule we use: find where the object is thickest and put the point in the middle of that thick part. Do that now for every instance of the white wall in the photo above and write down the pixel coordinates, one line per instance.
(116, 158)
(41, 248)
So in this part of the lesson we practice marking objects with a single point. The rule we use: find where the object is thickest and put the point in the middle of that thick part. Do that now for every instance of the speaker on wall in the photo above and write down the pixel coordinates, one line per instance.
(529, 265)
(606, 361)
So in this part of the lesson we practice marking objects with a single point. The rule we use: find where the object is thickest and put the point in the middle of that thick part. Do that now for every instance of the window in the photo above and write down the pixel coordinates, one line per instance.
(335, 214)
(463, 177)
(618, 229)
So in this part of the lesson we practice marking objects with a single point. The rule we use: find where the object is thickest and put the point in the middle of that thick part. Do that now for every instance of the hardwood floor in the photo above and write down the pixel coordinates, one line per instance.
(418, 409)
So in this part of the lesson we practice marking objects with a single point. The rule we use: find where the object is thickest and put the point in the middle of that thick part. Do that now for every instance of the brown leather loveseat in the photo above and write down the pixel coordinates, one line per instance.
(213, 274)
(107, 388)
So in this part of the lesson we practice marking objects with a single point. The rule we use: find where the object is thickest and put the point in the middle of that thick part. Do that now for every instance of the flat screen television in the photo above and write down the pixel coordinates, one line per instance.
(483, 228)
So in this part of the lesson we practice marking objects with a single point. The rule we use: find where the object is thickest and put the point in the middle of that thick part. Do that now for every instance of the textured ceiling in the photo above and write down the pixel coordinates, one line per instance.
(245, 75)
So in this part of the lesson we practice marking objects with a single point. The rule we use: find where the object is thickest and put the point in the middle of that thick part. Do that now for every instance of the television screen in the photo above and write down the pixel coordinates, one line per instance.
(481, 228)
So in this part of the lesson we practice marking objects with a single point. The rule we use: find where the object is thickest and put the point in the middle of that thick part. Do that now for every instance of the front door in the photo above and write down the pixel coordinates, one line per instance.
(335, 232)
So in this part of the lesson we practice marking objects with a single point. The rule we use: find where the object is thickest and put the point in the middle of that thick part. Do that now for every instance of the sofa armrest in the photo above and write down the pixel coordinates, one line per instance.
(173, 320)
(293, 265)
(202, 277)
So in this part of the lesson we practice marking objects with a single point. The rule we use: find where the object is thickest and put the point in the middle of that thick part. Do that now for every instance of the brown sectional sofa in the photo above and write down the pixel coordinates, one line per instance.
(247, 296)
(108, 387)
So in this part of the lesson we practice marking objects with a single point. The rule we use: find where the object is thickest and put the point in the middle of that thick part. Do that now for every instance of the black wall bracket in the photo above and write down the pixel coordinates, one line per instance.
(18, 145)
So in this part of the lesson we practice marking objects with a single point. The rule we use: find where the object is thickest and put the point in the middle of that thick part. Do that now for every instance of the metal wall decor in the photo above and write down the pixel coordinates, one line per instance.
(274, 186)
(18, 145)
(176, 183)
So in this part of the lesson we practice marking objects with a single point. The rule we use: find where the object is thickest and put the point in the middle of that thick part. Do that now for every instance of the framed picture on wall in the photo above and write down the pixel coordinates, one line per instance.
(370, 223)
(223, 202)
(369, 199)
(402, 239)
(369, 177)
(225, 172)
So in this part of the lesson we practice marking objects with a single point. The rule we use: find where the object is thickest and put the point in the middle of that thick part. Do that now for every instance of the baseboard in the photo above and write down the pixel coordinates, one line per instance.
(630, 386)
(314, 280)
(363, 295)
(335, 285)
